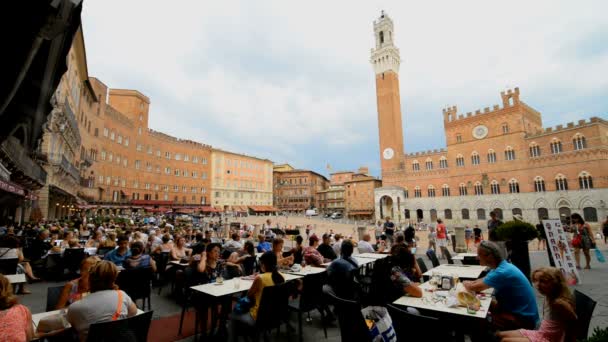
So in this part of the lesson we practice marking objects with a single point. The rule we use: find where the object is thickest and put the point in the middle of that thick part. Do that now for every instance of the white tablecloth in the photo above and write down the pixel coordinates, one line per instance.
(462, 271)
(229, 287)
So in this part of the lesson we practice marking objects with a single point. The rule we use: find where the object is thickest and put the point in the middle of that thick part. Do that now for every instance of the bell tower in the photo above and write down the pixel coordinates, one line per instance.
(385, 60)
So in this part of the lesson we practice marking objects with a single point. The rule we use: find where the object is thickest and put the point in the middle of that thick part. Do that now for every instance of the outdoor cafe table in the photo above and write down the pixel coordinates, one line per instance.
(16, 278)
(430, 301)
(229, 287)
(307, 270)
(461, 256)
(371, 255)
(462, 271)
(360, 261)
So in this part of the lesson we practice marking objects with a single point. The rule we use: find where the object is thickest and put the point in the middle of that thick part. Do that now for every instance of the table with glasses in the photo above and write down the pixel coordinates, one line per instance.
(435, 300)
(304, 271)
(461, 256)
(462, 271)
(371, 255)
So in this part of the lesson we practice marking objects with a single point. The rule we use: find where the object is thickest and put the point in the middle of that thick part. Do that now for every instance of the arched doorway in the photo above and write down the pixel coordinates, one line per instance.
(564, 215)
(433, 215)
(406, 214)
(419, 215)
(386, 206)
(543, 214)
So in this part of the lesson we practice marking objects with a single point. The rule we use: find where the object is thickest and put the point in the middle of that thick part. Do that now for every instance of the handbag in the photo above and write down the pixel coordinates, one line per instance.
(243, 305)
(599, 255)
(577, 241)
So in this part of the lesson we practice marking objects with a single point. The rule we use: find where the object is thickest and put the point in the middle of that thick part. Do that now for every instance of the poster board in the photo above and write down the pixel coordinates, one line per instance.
(559, 245)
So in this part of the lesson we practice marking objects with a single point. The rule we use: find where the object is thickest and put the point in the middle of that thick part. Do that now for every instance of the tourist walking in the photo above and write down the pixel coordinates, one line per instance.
(442, 236)
(582, 239)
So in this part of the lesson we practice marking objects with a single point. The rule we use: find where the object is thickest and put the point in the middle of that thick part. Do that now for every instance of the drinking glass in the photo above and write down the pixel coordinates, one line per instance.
(237, 283)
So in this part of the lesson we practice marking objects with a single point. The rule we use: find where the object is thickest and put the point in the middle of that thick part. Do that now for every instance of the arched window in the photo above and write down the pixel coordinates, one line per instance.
(590, 214)
(539, 184)
(406, 213)
(491, 156)
(513, 186)
(498, 212)
(459, 160)
(505, 128)
(433, 213)
(415, 165)
(585, 181)
(465, 214)
(478, 189)
(406, 193)
(447, 214)
(443, 163)
(534, 150)
(561, 183)
(445, 190)
(543, 214)
(431, 191)
(516, 211)
(417, 192)
(579, 142)
(509, 153)
(495, 187)
(475, 158)
(429, 164)
(462, 189)
(556, 146)
(481, 214)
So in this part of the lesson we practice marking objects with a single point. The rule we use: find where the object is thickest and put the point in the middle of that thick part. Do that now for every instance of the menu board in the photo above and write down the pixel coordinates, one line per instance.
(559, 245)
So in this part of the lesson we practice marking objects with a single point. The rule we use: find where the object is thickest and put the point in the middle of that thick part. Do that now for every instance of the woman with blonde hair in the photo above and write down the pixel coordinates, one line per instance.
(277, 249)
(559, 310)
(15, 319)
(110, 241)
(105, 303)
(77, 288)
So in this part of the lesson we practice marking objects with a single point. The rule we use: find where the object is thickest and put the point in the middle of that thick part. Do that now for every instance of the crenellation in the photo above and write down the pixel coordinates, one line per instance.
(559, 127)
(477, 112)
(570, 124)
(486, 110)
(469, 114)
(495, 107)
(582, 122)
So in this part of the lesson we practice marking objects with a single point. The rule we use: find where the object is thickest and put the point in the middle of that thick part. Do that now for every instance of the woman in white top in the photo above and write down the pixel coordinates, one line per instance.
(10, 250)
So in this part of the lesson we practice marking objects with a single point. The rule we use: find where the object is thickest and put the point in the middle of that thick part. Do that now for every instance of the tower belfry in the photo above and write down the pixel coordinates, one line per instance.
(385, 60)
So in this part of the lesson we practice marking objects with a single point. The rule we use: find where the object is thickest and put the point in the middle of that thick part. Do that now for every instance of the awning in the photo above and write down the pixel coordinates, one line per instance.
(210, 210)
(263, 208)
(11, 187)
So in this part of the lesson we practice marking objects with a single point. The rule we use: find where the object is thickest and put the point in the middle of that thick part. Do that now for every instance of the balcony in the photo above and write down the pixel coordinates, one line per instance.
(25, 170)
(61, 161)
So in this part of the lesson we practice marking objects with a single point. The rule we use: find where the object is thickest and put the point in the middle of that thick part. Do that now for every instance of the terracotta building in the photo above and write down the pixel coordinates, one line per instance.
(359, 196)
(499, 158)
(296, 190)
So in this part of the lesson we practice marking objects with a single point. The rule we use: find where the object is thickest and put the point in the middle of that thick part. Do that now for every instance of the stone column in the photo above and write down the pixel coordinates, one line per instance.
(44, 202)
(461, 246)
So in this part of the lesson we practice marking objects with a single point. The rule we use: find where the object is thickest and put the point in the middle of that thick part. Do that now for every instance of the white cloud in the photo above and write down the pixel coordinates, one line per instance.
(285, 79)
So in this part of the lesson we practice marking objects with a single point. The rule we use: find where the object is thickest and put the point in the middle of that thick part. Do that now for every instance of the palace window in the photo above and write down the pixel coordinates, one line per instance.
(585, 181)
(495, 187)
(112, 135)
(447, 214)
(465, 214)
(429, 164)
(417, 192)
(415, 166)
(431, 191)
(443, 163)
(458, 138)
(186, 157)
(579, 142)
(406, 193)
(103, 155)
(105, 132)
(204, 175)
(178, 156)
(481, 214)
(478, 189)
(505, 128)
(194, 159)
(491, 157)
(534, 150)
(475, 158)
(176, 188)
(204, 161)
(459, 160)
(539, 184)
(148, 166)
(509, 153)
(119, 139)
(126, 142)
(445, 190)
(167, 170)
(176, 172)
(137, 164)
(168, 155)
(513, 186)
(139, 147)
(149, 149)
(561, 183)
(590, 214)
(556, 146)
(462, 189)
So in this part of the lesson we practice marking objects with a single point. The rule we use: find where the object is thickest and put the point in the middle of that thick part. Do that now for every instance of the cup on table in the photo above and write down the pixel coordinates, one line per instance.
(237, 282)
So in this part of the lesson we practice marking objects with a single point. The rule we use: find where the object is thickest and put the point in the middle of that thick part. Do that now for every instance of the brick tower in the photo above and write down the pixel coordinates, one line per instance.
(385, 59)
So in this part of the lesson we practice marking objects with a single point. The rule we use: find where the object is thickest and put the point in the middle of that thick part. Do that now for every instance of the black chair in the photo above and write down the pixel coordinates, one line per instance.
(584, 310)
(382, 290)
(350, 318)
(102, 251)
(72, 258)
(161, 278)
(249, 265)
(468, 260)
(433, 257)
(9, 266)
(132, 329)
(413, 327)
(422, 265)
(446, 252)
(311, 299)
(52, 297)
(137, 283)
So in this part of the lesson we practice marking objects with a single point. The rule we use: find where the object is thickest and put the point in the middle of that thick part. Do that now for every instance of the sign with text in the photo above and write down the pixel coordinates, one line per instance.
(558, 243)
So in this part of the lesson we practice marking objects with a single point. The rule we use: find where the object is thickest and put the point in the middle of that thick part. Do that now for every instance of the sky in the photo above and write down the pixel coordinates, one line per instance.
(291, 81)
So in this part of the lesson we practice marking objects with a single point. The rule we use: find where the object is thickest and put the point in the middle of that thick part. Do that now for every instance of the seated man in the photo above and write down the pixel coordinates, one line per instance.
(120, 254)
(235, 242)
(364, 246)
(312, 256)
(341, 272)
(515, 305)
(263, 245)
(325, 248)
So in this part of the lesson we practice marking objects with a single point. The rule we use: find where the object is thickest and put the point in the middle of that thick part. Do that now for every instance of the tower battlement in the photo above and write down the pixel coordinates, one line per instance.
(510, 98)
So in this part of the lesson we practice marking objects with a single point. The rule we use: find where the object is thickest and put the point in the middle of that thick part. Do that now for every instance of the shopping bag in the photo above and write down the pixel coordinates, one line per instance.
(379, 323)
(599, 255)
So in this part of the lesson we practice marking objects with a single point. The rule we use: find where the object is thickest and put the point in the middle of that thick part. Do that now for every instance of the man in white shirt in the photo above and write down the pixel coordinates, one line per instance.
(338, 244)
(235, 243)
(364, 246)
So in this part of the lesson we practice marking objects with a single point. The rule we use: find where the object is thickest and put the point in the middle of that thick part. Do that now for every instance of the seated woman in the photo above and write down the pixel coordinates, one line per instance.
(110, 241)
(244, 260)
(11, 249)
(15, 319)
(180, 251)
(560, 315)
(166, 246)
(77, 288)
(138, 259)
(95, 241)
(403, 271)
(210, 267)
(277, 249)
(270, 276)
(67, 236)
(73, 243)
(298, 251)
(105, 303)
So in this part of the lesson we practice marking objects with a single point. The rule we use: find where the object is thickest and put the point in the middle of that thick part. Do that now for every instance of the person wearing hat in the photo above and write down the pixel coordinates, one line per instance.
(311, 254)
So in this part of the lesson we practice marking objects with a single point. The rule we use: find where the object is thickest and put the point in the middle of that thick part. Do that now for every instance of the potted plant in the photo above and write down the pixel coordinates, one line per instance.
(517, 235)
